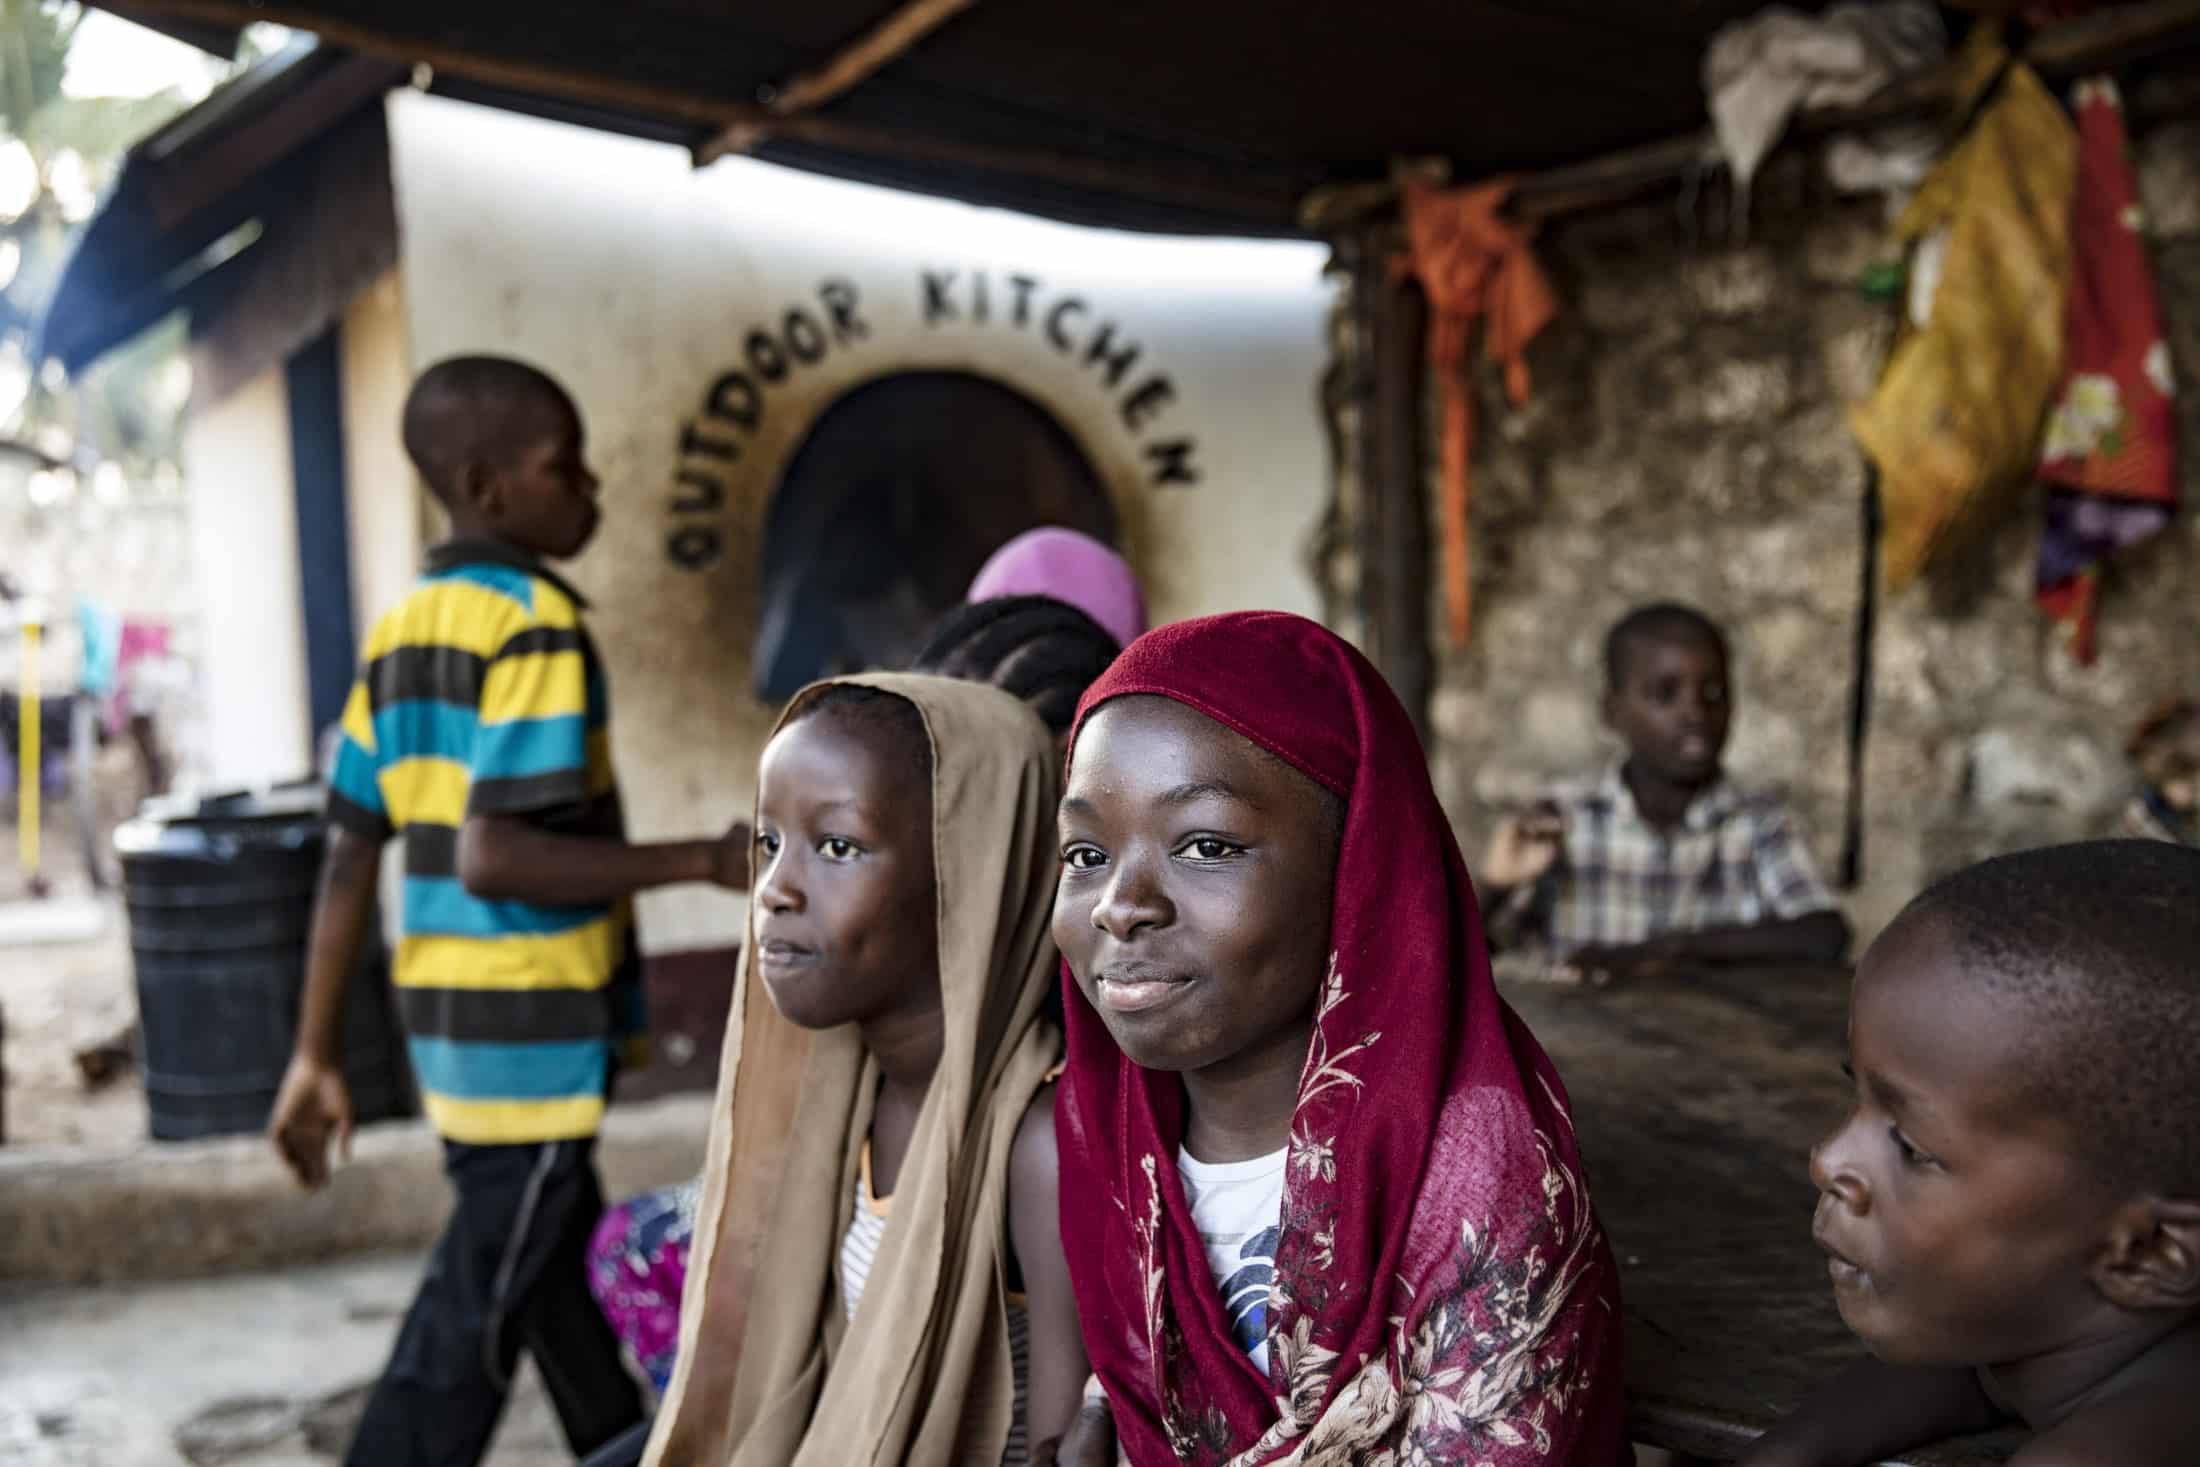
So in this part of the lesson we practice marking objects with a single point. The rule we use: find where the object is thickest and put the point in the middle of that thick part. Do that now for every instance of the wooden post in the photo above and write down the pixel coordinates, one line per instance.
(1391, 317)
(31, 758)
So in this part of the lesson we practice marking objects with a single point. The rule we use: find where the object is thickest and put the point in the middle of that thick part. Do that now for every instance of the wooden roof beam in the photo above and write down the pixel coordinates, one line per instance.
(881, 46)
(854, 64)
(2103, 41)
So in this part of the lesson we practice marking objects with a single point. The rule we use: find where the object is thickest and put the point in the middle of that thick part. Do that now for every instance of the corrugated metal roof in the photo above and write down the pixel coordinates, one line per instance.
(1178, 114)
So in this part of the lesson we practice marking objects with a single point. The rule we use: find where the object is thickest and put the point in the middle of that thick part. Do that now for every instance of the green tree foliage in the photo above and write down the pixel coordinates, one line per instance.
(58, 153)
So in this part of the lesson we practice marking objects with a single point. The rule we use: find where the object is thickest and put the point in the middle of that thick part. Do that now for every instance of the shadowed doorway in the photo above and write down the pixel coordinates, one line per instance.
(885, 513)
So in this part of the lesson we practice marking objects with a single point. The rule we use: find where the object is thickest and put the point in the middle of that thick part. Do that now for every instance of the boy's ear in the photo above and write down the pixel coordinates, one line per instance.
(1607, 709)
(2152, 1260)
(480, 487)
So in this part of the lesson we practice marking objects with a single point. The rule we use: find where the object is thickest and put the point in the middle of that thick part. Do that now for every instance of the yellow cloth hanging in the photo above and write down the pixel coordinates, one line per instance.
(1955, 423)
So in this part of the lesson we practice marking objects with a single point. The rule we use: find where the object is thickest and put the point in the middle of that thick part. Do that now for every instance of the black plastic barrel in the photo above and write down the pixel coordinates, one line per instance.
(220, 893)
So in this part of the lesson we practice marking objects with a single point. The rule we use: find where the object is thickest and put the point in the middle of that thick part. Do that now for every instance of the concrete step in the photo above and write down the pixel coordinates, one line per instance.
(54, 919)
(187, 1210)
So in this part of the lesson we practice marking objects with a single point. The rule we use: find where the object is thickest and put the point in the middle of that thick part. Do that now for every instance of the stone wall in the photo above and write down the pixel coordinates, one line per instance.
(1686, 440)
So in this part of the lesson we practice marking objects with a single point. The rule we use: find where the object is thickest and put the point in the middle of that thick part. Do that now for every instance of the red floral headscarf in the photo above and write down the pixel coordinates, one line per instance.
(1443, 1290)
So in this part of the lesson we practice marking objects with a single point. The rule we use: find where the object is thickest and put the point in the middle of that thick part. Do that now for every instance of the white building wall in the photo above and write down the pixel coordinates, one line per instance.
(244, 549)
(384, 495)
(639, 282)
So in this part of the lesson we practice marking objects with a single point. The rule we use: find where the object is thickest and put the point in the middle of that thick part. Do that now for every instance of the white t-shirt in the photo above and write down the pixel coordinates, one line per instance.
(1238, 1208)
(859, 1250)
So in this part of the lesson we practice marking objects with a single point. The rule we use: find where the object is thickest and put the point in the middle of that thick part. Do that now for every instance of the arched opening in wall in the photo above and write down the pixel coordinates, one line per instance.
(891, 505)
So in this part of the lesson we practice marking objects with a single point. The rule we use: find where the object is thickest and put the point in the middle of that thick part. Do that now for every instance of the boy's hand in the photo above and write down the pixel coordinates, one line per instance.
(312, 1108)
(730, 857)
(1090, 1441)
(1601, 967)
(1523, 848)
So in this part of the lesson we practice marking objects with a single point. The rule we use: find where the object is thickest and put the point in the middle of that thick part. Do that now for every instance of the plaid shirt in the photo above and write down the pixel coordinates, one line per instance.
(1737, 859)
(2150, 817)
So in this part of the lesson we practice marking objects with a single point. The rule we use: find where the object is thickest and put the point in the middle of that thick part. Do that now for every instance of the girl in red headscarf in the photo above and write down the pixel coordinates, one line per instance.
(1320, 1193)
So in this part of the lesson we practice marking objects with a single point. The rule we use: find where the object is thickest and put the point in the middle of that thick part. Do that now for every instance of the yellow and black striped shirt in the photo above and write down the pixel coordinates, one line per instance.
(482, 694)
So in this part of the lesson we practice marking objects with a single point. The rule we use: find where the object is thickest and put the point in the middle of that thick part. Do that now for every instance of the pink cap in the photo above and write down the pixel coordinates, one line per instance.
(1071, 567)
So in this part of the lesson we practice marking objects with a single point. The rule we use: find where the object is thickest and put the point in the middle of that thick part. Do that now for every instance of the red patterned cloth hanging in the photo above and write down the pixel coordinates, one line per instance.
(2110, 457)
(1473, 262)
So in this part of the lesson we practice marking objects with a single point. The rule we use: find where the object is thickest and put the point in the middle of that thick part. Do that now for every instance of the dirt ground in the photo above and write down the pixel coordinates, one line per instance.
(60, 996)
(55, 999)
(255, 1370)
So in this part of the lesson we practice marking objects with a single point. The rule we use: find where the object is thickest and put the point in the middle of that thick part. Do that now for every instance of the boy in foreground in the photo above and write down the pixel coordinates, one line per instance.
(2011, 1214)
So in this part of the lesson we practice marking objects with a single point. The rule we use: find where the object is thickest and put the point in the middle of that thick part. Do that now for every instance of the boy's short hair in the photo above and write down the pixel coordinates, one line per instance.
(472, 409)
(1663, 621)
(2100, 944)
(1035, 648)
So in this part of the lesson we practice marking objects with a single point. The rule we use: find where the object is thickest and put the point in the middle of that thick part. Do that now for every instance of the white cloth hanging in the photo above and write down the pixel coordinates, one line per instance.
(1759, 72)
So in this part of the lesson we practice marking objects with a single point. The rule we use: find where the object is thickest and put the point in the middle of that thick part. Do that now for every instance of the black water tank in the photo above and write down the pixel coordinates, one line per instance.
(220, 893)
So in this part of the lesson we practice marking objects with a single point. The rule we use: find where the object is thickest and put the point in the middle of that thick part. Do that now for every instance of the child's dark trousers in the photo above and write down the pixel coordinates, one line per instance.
(509, 1274)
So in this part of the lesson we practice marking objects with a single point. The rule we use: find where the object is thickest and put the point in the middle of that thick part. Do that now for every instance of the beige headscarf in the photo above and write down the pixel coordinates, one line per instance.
(769, 1374)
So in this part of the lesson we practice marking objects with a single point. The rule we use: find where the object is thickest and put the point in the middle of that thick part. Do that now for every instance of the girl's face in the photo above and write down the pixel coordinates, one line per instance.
(1197, 875)
(844, 922)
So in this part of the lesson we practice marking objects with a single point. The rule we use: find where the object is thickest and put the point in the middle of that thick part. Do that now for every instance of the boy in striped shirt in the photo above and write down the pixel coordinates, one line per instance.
(477, 738)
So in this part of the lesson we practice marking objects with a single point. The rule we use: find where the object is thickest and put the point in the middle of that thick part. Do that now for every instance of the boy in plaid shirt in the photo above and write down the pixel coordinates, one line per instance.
(1659, 862)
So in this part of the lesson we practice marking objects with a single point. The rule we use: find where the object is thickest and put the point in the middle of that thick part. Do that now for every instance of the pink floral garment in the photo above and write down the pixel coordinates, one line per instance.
(1443, 1291)
(637, 1266)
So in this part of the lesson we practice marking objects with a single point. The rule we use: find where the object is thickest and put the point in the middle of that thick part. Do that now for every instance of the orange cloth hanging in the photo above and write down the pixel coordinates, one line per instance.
(1473, 262)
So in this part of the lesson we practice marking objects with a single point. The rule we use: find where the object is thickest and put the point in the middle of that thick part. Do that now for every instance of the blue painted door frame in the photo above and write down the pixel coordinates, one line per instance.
(314, 378)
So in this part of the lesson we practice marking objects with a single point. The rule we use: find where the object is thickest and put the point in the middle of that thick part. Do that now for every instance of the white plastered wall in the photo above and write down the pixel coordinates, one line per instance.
(244, 548)
(639, 282)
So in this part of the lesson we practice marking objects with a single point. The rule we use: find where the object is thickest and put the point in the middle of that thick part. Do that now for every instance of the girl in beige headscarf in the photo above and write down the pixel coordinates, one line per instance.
(895, 1051)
